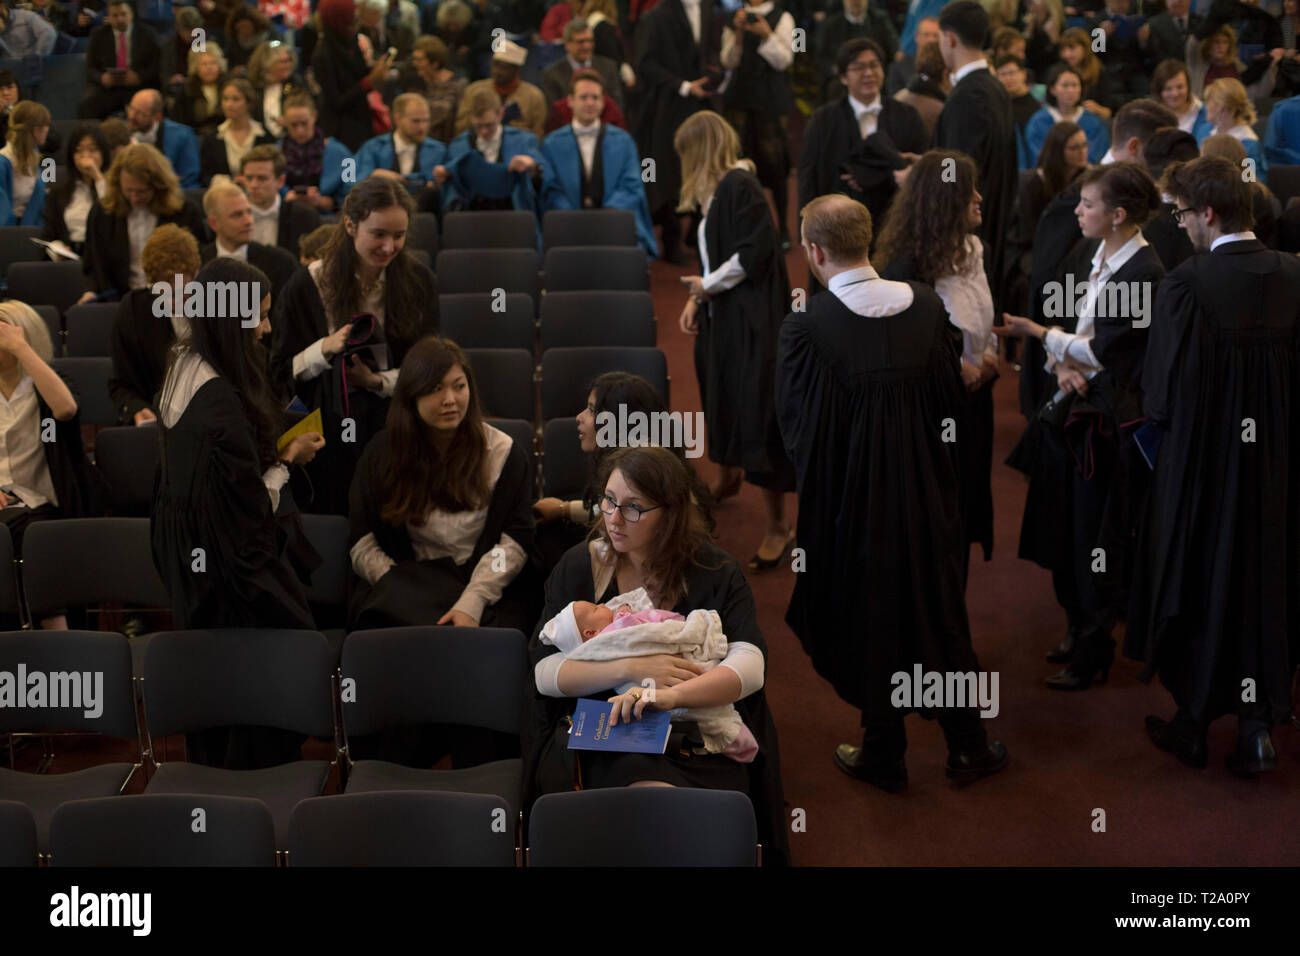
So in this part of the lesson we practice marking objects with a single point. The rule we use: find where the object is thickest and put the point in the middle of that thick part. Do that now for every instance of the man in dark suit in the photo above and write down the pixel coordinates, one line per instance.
(858, 19)
(1165, 35)
(275, 222)
(121, 60)
(901, 71)
(230, 216)
(977, 120)
(676, 63)
(579, 47)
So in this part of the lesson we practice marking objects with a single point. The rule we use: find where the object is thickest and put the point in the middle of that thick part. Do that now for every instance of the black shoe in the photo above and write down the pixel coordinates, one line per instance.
(892, 778)
(1254, 755)
(971, 765)
(1073, 677)
(1190, 750)
(672, 254)
(1061, 652)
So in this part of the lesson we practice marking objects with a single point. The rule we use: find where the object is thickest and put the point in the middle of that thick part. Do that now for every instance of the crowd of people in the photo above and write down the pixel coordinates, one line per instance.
(969, 175)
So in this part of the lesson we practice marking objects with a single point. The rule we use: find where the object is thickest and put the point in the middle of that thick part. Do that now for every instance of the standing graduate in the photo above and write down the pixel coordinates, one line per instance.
(594, 165)
(865, 381)
(1086, 474)
(347, 369)
(1216, 601)
(491, 165)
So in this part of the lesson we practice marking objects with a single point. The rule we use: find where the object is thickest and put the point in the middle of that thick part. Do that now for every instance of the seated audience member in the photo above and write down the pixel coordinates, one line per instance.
(407, 154)
(561, 115)
(275, 222)
(10, 96)
(174, 53)
(69, 201)
(464, 36)
(579, 46)
(44, 477)
(121, 59)
(1007, 41)
(903, 68)
(117, 133)
(1044, 25)
(312, 245)
(221, 153)
(1063, 91)
(174, 140)
(490, 165)
(1215, 58)
(557, 18)
(928, 88)
(383, 31)
(1171, 85)
(440, 506)
(22, 185)
(142, 193)
(507, 63)
(313, 163)
(1011, 71)
(142, 340)
(1282, 137)
(246, 30)
(1076, 52)
(1122, 61)
(230, 217)
(1165, 35)
(198, 105)
(1228, 109)
(273, 71)
(858, 19)
(82, 21)
(341, 366)
(344, 78)
(24, 33)
(594, 166)
(430, 75)
(1265, 206)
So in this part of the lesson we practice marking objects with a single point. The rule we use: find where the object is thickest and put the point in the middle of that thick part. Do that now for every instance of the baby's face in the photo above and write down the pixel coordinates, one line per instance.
(591, 618)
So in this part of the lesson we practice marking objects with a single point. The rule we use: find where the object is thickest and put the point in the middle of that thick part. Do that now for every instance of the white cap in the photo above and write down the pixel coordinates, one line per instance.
(562, 630)
(510, 52)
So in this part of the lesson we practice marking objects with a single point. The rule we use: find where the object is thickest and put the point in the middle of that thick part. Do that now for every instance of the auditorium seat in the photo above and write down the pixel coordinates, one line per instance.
(17, 835)
(16, 246)
(490, 229)
(54, 322)
(566, 374)
(486, 270)
(564, 463)
(643, 826)
(525, 436)
(401, 828)
(10, 605)
(579, 268)
(412, 676)
(161, 830)
(328, 592)
(127, 456)
(423, 234)
(505, 382)
(88, 378)
(593, 318)
(59, 284)
(588, 227)
(1284, 182)
(89, 329)
(97, 652)
(257, 677)
(469, 320)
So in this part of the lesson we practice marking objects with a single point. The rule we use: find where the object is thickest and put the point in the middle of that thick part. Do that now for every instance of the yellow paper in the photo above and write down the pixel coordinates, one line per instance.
(311, 423)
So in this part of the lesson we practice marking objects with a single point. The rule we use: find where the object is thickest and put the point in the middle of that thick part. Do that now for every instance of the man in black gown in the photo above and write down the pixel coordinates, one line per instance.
(867, 383)
(1216, 606)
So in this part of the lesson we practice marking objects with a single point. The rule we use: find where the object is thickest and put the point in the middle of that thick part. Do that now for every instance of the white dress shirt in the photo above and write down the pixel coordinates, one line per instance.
(406, 153)
(235, 152)
(311, 361)
(968, 69)
(587, 136)
(266, 223)
(866, 115)
(23, 186)
(238, 252)
(970, 304)
(271, 110)
(777, 49)
(149, 136)
(692, 9)
(491, 148)
(24, 471)
(1232, 237)
(140, 224)
(1187, 119)
(77, 211)
(863, 292)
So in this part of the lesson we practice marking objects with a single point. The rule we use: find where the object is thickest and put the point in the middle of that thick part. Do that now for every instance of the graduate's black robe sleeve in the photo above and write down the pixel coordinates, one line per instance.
(1170, 331)
(99, 262)
(812, 156)
(298, 320)
(136, 366)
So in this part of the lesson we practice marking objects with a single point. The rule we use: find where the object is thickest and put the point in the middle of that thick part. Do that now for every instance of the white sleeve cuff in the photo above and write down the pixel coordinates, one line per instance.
(275, 478)
(310, 362)
(369, 560)
(778, 48)
(546, 674)
(727, 276)
(748, 663)
(684, 89)
(389, 377)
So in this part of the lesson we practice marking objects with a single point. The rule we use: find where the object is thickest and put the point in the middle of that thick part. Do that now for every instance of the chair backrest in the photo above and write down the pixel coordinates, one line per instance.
(490, 229)
(473, 676)
(588, 227)
(525, 436)
(54, 322)
(17, 835)
(88, 378)
(127, 456)
(564, 463)
(577, 268)
(598, 318)
(1284, 181)
(402, 828)
(328, 534)
(8, 576)
(264, 677)
(59, 284)
(90, 329)
(486, 270)
(481, 320)
(78, 562)
(643, 826)
(16, 246)
(423, 233)
(162, 830)
(505, 382)
(84, 683)
(423, 257)
(566, 372)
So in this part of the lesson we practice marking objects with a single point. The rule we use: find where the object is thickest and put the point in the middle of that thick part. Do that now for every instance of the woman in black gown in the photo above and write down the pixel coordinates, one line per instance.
(735, 311)
(1086, 474)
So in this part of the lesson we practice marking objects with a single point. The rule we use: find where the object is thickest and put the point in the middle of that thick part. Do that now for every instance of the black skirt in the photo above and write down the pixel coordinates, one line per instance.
(420, 592)
(679, 766)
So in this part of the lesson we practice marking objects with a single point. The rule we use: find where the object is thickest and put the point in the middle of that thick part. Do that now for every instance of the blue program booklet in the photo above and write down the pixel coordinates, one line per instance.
(591, 730)
(1148, 437)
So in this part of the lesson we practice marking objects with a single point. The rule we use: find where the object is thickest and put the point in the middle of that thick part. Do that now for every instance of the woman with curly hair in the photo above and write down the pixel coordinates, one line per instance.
(246, 30)
(273, 71)
(199, 104)
(929, 236)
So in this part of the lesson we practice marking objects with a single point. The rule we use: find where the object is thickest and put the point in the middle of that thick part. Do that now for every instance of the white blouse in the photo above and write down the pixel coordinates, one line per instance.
(271, 110)
(24, 186)
(78, 208)
(235, 152)
(970, 305)
(24, 472)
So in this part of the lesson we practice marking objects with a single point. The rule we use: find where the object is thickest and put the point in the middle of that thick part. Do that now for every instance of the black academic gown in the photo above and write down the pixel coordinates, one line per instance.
(735, 350)
(213, 160)
(278, 264)
(977, 120)
(864, 406)
(141, 341)
(107, 258)
(1168, 239)
(1056, 234)
(715, 582)
(1217, 593)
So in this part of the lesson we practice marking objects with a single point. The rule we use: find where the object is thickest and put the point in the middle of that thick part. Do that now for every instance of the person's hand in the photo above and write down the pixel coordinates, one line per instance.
(88, 165)
(1096, 109)
(970, 375)
(988, 369)
(207, 6)
(1070, 379)
(132, 78)
(177, 79)
(522, 164)
(457, 619)
(440, 174)
(333, 343)
(144, 416)
(1277, 53)
(360, 375)
(738, 21)
(85, 297)
(689, 320)
(107, 79)
(304, 448)
(630, 706)
(84, 19)
(1017, 326)
(695, 286)
(852, 183)
(666, 670)
(379, 71)
(12, 339)
(698, 88)
(900, 176)
(548, 509)
(1107, 26)
(759, 26)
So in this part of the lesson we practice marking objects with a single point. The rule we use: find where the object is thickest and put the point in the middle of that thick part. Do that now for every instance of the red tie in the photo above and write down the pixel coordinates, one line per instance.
(121, 51)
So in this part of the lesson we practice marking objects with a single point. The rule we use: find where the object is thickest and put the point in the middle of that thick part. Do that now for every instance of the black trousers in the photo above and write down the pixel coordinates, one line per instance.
(885, 742)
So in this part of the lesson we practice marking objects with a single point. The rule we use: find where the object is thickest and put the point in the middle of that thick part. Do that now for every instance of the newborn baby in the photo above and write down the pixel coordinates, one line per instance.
(592, 619)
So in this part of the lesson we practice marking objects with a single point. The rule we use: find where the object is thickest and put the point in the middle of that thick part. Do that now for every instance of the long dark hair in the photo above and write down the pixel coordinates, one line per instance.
(236, 355)
(1051, 158)
(416, 477)
(404, 302)
(926, 223)
(63, 189)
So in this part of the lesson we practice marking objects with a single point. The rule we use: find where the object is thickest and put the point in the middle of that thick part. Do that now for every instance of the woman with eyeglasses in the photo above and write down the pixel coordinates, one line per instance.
(654, 536)
(273, 71)
(1086, 473)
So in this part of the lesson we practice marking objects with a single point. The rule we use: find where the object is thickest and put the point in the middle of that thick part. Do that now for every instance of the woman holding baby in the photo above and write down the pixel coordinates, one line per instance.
(652, 535)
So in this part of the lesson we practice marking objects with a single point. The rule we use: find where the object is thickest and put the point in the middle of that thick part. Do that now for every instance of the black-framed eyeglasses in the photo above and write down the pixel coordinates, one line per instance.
(1178, 214)
(631, 513)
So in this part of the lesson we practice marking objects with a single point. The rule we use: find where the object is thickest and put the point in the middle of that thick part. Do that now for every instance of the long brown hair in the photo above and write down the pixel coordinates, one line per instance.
(1051, 157)
(144, 162)
(27, 117)
(1090, 67)
(708, 147)
(403, 303)
(659, 475)
(416, 477)
(926, 223)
